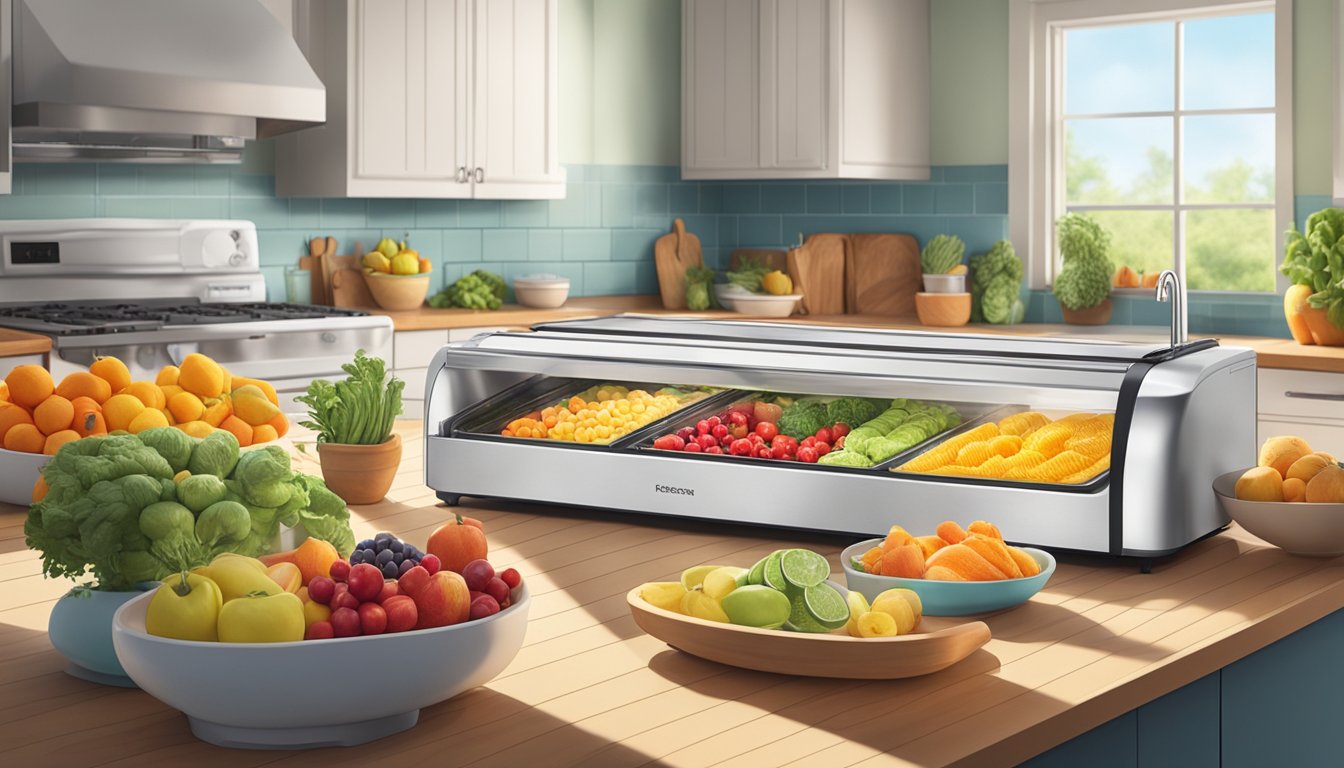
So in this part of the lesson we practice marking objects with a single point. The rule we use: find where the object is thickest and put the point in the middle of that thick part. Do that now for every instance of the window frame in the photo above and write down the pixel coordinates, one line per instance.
(1035, 165)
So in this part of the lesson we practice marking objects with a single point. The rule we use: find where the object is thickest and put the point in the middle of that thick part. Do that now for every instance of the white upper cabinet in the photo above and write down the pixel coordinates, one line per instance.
(805, 89)
(428, 98)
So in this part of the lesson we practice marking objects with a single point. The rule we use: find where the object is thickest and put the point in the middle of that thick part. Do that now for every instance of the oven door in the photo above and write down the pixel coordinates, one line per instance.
(287, 357)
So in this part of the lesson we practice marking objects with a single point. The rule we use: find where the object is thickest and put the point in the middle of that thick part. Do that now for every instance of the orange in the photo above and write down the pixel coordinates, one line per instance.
(40, 489)
(167, 376)
(196, 428)
(264, 386)
(29, 385)
(263, 433)
(119, 410)
(167, 415)
(280, 424)
(10, 415)
(240, 429)
(84, 384)
(217, 412)
(314, 558)
(186, 406)
(226, 381)
(56, 439)
(169, 390)
(201, 375)
(4, 392)
(26, 438)
(113, 371)
(147, 419)
(53, 415)
(88, 419)
(146, 392)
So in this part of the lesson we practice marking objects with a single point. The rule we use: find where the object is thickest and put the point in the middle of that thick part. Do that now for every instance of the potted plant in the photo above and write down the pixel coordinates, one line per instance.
(1314, 304)
(353, 420)
(1083, 285)
(941, 262)
(996, 282)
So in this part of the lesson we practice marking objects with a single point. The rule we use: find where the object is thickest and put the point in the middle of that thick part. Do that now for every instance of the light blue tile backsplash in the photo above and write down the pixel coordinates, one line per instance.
(601, 235)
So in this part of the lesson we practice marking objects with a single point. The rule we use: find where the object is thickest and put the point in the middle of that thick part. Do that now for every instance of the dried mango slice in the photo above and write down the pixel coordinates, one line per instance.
(1006, 445)
(1059, 467)
(1073, 418)
(1082, 476)
(1093, 446)
(1025, 459)
(946, 452)
(975, 454)
(1049, 439)
(1023, 424)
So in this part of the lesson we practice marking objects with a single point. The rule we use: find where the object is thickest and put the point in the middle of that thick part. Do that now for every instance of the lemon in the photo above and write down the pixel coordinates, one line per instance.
(406, 263)
(720, 581)
(663, 594)
(777, 283)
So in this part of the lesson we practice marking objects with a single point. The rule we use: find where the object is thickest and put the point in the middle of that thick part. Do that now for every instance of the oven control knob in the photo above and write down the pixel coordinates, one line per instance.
(236, 259)
(328, 337)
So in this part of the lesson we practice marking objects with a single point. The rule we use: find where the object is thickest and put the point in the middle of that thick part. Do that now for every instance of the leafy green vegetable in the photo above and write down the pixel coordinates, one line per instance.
(325, 516)
(222, 523)
(263, 475)
(196, 492)
(478, 290)
(942, 254)
(996, 282)
(173, 445)
(749, 273)
(851, 410)
(1316, 259)
(905, 424)
(358, 410)
(1084, 280)
(699, 284)
(803, 418)
(845, 458)
(216, 455)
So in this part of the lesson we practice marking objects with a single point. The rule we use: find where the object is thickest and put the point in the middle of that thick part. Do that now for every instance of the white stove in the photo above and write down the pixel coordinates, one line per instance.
(152, 291)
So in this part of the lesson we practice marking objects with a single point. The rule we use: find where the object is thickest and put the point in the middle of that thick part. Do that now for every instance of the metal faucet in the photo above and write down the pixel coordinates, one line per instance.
(1169, 289)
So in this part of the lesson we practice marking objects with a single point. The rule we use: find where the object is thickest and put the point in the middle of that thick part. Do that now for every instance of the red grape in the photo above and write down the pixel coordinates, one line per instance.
(366, 582)
(511, 577)
(340, 570)
(693, 447)
(714, 449)
(686, 433)
(477, 574)
(497, 589)
(319, 630)
(321, 589)
(483, 606)
(737, 417)
(372, 619)
(401, 613)
(345, 622)
(431, 563)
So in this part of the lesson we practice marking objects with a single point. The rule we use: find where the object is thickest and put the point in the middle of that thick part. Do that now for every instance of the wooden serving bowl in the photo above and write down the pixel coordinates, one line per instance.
(398, 292)
(943, 309)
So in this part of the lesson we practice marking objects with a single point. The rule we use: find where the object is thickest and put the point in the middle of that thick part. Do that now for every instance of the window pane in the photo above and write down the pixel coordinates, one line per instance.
(1118, 160)
(1230, 250)
(1229, 159)
(1141, 239)
(1123, 68)
(1229, 62)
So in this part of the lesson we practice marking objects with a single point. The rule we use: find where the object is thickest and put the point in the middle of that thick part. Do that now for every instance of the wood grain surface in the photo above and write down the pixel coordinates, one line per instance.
(817, 269)
(882, 275)
(673, 254)
(590, 688)
(15, 343)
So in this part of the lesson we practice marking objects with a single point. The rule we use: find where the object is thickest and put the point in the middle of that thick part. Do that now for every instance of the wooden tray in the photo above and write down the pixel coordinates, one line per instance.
(936, 644)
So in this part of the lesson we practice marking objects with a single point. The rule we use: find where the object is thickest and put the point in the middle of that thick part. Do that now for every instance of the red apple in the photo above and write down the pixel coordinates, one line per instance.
(390, 589)
(401, 613)
(411, 581)
(442, 600)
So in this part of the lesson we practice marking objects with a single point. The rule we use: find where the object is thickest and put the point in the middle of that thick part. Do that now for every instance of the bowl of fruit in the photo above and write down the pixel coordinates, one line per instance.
(255, 660)
(784, 615)
(1293, 499)
(955, 572)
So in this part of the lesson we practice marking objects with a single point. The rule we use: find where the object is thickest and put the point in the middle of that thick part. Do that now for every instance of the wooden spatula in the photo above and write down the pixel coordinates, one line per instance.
(673, 254)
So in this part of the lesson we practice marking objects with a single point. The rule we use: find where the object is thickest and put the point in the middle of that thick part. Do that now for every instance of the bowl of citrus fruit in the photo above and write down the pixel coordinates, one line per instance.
(1293, 498)
(38, 414)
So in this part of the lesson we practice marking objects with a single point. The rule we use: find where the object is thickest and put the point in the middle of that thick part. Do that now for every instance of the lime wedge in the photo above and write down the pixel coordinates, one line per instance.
(826, 606)
(773, 575)
(804, 568)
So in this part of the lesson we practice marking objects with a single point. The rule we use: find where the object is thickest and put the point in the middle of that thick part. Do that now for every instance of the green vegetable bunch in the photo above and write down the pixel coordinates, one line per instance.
(803, 418)
(996, 282)
(749, 273)
(1316, 259)
(942, 254)
(699, 288)
(358, 410)
(902, 426)
(478, 290)
(851, 410)
(1084, 280)
(114, 512)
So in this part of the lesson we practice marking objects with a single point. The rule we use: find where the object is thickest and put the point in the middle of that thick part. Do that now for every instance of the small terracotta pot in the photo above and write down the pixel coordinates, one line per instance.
(360, 474)
(1098, 315)
(943, 309)
(1323, 332)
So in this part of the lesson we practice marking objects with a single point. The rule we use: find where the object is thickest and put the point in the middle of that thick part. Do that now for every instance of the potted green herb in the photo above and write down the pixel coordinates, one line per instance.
(1083, 285)
(941, 262)
(353, 420)
(1314, 261)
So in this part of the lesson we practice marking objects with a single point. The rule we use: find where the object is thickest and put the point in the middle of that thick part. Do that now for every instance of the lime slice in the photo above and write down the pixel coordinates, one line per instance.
(804, 568)
(694, 577)
(800, 620)
(773, 575)
(757, 573)
(826, 606)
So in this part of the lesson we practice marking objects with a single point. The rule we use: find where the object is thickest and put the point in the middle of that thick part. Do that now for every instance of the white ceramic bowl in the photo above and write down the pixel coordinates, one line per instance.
(18, 475)
(1316, 530)
(764, 304)
(314, 693)
(541, 291)
(944, 283)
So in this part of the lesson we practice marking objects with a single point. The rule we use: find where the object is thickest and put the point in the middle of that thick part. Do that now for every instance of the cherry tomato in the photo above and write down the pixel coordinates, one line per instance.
(713, 421)
(737, 417)
(669, 443)
(755, 438)
(783, 440)
(706, 441)
(693, 447)
(741, 447)
(807, 454)
(823, 435)
(839, 430)
(719, 430)
(822, 448)
(713, 449)
(767, 430)
(763, 452)
(702, 427)
(738, 430)
(808, 442)
(779, 452)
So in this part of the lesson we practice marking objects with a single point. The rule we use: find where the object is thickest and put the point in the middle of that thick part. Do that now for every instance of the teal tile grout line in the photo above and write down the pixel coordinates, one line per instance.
(601, 235)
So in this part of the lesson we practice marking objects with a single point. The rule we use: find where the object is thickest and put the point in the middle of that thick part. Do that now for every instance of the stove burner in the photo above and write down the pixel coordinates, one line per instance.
(83, 318)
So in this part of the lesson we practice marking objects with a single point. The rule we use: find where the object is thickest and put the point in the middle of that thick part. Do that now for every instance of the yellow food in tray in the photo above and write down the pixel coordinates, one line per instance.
(1026, 446)
(600, 414)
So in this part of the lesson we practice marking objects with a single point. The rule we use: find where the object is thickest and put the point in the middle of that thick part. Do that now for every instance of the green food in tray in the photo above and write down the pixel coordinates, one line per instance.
(902, 426)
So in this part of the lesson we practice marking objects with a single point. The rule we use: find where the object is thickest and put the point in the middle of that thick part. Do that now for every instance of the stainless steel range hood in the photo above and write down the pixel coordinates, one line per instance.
(155, 80)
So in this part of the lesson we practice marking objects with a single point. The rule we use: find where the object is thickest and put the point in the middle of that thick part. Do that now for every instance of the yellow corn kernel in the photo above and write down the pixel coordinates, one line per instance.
(1006, 445)
(975, 454)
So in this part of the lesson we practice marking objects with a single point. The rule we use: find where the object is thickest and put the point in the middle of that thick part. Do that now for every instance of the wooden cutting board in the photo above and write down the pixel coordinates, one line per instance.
(673, 254)
(349, 289)
(771, 258)
(817, 269)
(882, 275)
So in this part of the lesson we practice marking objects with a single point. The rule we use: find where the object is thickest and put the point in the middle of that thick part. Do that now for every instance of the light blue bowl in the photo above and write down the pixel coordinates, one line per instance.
(950, 598)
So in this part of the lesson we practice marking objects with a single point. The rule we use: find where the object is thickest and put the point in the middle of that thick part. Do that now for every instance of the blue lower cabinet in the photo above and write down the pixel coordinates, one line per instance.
(1281, 706)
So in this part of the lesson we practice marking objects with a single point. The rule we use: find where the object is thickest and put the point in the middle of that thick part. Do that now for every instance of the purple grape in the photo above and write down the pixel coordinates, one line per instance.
(390, 571)
(396, 546)
(384, 557)
(405, 566)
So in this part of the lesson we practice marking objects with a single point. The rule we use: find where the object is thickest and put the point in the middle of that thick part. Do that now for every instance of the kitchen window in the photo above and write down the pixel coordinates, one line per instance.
(1168, 122)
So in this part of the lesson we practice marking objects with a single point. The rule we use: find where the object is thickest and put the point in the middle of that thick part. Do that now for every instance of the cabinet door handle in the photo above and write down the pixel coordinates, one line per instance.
(461, 174)
(480, 175)
(1331, 396)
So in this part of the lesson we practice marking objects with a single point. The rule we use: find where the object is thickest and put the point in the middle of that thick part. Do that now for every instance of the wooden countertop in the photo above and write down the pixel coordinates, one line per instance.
(589, 688)
(1271, 352)
(14, 343)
